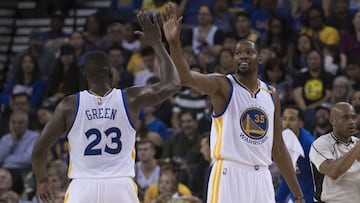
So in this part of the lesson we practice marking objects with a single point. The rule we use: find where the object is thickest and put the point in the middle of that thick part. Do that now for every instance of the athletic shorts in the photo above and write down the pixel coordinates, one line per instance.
(232, 182)
(110, 190)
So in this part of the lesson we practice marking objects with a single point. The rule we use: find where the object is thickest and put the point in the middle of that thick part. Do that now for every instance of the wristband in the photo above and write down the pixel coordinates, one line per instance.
(299, 198)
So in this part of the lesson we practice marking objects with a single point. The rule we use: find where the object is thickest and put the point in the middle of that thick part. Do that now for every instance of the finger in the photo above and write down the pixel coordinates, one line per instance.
(139, 33)
(167, 11)
(173, 10)
(37, 199)
(162, 17)
(157, 21)
(139, 17)
(146, 22)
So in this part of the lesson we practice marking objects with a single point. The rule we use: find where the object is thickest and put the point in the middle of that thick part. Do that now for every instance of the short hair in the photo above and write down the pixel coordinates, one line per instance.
(20, 94)
(243, 14)
(146, 141)
(248, 40)
(271, 64)
(298, 109)
(115, 48)
(97, 64)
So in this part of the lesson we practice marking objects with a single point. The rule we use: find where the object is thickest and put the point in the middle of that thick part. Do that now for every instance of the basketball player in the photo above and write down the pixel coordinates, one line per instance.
(101, 130)
(246, 128)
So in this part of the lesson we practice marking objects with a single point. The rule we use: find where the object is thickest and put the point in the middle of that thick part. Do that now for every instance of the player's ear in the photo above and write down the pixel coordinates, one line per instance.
(260, 59)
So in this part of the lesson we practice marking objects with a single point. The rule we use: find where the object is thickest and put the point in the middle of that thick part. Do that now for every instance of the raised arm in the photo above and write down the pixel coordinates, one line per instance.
(139, 97)
(281, 155)
(207, 84)
(56, 127)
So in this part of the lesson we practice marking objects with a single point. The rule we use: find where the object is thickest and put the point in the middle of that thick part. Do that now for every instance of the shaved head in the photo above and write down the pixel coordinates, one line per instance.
(343, 120)
(339, 108)
(97, 66)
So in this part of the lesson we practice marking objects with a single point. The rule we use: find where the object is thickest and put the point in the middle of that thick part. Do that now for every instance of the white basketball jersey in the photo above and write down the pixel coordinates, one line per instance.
(243, 133)
(102, 138)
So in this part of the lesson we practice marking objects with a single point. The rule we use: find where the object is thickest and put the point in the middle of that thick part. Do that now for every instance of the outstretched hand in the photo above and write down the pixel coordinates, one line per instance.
(171, 24)
(150, 31)
(44, 192)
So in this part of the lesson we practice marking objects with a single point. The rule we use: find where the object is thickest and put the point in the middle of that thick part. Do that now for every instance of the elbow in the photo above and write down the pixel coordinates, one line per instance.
(37, 153)
(334, 175)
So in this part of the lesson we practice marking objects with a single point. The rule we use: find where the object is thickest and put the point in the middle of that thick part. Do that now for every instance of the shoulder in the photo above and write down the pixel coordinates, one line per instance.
(32, 133)
(68, 104)
(323, 140)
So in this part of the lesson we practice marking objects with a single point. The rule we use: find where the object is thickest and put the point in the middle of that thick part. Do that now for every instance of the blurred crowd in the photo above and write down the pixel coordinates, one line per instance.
(310, 53)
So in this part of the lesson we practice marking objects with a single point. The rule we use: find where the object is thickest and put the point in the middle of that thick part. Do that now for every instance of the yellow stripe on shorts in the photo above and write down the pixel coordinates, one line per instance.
(216, 182)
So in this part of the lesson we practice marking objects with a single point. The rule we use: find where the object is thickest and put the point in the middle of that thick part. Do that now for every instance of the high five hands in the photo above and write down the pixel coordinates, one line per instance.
(150, 33)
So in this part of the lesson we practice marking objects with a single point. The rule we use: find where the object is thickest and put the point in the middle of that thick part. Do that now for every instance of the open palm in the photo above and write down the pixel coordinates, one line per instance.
(150, 31)
(171, 24)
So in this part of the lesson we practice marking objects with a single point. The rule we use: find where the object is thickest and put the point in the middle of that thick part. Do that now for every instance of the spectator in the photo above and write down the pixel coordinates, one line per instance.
(225, 62)
(147, 171)
(316, 28)
(18, 102)
(154, 125)
(222, 18)
(341, 91)
(313, 87)
(44, 58)
(334, 158)
(236, 6)
(94, 29)
(184, 147)
(293, 118)
(16, 146)
(81, 46)
(55, 37)
(274, 74)
(353, 72)
(117, 60)
(66, 76)
(131, 41)
(332, 59)
(27, 79)
(6, 182)
(350, 40)
(163, 111)
(191, 10)
(279, 38)
(323, 125)
(355, 99)
(262, 14)
(205, 38)
(304, 44)
(150, 67)
(340, 17)
(170, 169)
(243, 28)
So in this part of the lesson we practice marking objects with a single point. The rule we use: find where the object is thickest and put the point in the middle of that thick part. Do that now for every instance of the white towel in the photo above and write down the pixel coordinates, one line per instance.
(292, 143)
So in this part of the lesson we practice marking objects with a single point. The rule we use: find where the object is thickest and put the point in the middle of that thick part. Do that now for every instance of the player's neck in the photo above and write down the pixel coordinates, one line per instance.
(249, 82)
(100, 90)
